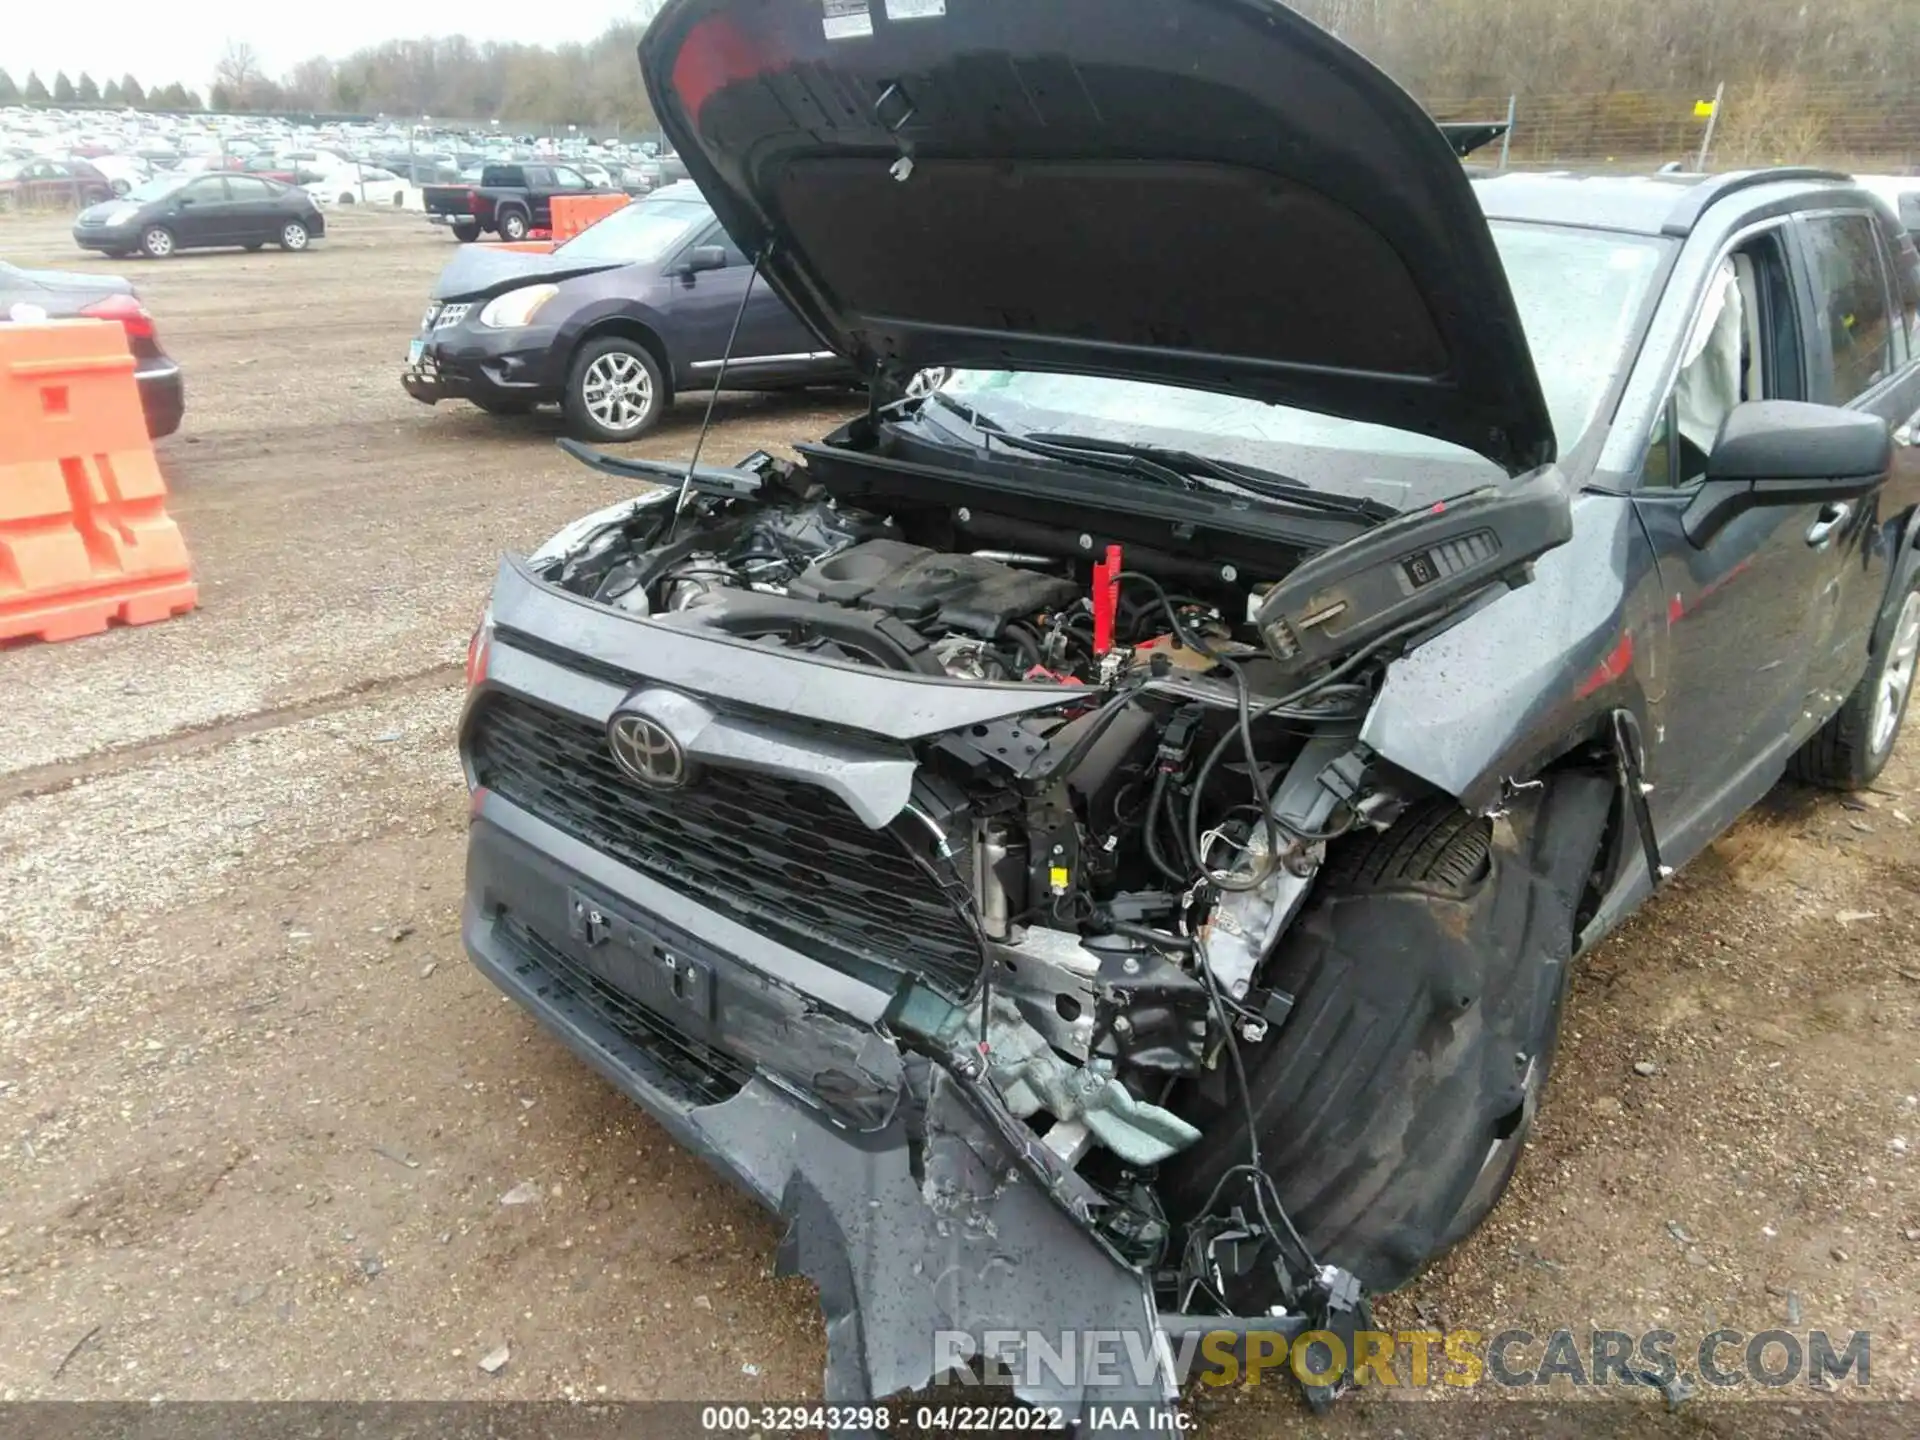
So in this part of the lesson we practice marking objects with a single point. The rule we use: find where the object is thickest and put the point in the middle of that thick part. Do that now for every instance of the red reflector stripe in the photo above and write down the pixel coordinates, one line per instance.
(1619, 660)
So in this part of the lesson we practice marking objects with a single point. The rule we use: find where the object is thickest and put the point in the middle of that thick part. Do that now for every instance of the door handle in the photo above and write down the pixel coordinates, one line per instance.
(1832, 516)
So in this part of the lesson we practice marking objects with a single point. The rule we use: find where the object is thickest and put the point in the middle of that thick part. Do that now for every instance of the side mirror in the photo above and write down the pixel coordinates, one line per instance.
(1781, 452)
(703, 257)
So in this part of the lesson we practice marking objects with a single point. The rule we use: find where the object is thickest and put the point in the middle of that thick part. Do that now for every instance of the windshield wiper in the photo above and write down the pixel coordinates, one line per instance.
(1164, 465)
(1266, 483)
(1118, 462)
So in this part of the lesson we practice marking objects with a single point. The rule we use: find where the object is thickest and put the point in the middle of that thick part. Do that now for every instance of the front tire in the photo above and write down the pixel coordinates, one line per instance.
(513, 226)
(156, 242)
(1428, 975)
(614, 391)
(293, 236)
(1851, 749)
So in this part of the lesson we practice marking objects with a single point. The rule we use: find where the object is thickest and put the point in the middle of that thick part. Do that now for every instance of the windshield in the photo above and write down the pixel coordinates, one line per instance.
(646, 230)
(160, 185)
(1580, 295)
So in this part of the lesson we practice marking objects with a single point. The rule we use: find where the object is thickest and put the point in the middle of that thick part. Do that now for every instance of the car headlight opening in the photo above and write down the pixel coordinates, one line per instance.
(517, 307)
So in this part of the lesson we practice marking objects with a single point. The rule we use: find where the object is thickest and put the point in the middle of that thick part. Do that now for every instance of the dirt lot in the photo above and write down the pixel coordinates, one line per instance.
(257, 1115)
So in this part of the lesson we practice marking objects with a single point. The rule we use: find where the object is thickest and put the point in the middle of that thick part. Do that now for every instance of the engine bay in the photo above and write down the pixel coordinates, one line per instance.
(1126, 857)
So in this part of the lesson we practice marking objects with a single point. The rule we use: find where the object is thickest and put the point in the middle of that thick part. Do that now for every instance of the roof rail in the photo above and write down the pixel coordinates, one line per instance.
(1710, 191)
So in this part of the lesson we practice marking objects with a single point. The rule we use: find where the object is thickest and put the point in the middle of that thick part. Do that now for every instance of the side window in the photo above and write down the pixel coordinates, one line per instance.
(248, 187)
(1850, 298)
(210, 190)
(538, 177)
(1906, 289)
(1744, 345)
(568, 179)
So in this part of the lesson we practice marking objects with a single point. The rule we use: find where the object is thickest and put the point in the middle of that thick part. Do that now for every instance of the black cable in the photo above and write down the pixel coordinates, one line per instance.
(1284, 1234)
(1156, 803)
(1243, 706)
(1024, 640)
(1159, 939)
(1244, 733)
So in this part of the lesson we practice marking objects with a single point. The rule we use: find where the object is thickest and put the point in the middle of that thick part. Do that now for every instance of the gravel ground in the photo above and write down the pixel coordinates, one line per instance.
(259, 1121)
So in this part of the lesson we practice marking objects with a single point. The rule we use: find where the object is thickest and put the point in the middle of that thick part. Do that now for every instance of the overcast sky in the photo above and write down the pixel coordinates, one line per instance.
(160, 43)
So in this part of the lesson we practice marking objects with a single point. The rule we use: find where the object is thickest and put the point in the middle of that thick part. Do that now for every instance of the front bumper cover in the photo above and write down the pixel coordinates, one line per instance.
(923, 1225)
(466, 362)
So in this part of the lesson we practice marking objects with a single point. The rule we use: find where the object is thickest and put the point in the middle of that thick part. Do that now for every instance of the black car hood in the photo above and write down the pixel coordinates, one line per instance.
(1212, 193)
(486, 270)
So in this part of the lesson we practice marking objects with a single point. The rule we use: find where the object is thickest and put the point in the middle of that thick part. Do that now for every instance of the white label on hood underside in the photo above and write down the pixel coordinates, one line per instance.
(846, 19)
(915, 9)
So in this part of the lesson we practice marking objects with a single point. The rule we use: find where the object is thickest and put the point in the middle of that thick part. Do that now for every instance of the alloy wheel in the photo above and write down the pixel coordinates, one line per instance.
(294, 237)
(617, 391)
(1897, 678)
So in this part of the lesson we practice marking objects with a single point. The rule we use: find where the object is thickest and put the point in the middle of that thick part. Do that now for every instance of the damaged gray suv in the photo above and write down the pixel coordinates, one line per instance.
(1098, 843)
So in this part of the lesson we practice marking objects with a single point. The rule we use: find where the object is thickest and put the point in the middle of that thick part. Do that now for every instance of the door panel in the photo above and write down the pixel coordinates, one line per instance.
(1739, 619)
(203, 215)
(1746, 611)
(539, 196)
(254, 210)
(1861, 360)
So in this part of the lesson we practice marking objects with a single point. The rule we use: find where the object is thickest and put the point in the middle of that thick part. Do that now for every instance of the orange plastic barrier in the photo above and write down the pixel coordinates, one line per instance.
(84, 534)
(525, 247)
(574, 213)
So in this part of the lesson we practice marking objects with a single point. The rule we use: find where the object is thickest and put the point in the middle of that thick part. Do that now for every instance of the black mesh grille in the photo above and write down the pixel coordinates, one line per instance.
(703, 1075)
(788, 859)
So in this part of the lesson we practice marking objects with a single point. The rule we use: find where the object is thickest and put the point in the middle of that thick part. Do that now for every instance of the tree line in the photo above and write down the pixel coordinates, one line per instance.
(1437, 48)
(85, 91)
(1442, 48)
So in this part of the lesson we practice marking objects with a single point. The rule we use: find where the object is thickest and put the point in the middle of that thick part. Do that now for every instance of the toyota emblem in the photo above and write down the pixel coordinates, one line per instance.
(646, 750)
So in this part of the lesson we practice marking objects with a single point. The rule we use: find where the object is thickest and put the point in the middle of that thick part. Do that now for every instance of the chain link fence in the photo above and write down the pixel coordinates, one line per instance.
(1866, 129)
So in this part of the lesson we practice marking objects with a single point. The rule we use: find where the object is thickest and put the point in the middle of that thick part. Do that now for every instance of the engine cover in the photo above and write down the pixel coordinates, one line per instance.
(923, 587)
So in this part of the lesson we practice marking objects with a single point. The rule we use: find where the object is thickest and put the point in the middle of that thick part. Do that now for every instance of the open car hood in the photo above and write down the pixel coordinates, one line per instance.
(1211, 193)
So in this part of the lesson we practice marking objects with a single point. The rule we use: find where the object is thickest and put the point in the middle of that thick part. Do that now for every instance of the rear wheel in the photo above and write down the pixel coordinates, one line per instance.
(1428, 975)
(466, 234)
(156, 242)
(614, 390)
(293, 236)
(1852, 748)
(513, 225)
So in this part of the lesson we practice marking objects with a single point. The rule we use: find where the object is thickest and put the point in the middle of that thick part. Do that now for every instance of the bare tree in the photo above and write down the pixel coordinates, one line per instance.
(238, 69)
